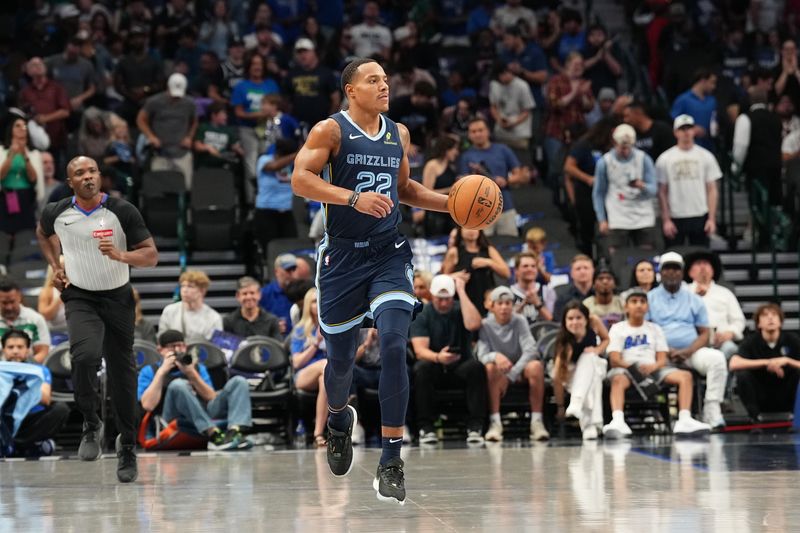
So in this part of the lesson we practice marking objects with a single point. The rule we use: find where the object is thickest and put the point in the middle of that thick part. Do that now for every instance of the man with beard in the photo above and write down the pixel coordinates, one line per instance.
(683, 317)
(137, 76)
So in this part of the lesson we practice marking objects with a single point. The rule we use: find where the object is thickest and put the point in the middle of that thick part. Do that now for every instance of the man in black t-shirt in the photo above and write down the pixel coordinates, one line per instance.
(442, 340)
(312, 88)
(767, 365)
(652, 136)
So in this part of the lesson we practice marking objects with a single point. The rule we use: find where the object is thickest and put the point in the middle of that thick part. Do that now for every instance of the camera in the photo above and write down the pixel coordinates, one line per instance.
(183, 358)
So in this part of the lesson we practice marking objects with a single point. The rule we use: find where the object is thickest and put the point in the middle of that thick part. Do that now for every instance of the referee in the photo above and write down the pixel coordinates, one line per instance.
(100, 236)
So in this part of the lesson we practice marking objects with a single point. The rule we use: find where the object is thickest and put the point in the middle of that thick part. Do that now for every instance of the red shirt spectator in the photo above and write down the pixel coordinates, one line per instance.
(569, 97)
(47, 101)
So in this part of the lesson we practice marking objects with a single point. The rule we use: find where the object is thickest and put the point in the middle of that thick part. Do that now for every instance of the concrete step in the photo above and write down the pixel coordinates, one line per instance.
(761, 258)
(175, 271)
(764, 274)
(792, 306)
(764, 291)
(216, 302)
(163, 287)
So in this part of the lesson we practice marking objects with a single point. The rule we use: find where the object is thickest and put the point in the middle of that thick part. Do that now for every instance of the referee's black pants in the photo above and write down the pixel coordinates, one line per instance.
(100, 324)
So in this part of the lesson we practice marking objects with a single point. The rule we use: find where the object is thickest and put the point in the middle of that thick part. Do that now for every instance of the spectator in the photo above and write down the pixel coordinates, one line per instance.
(790, 122)
(183, 391)
(169, 122)
(419, 114)
(247, 102)
(653, 137)
(209, 82)
(579, 169)
(473, 255)
(687, 188)
(310, 86)
(724, 312)
(604, 303)
(580, 368)
(734, 55)
(643, 276)
(569, 96)
(508, 351)
(21, 179)
(191, 316)
(216, 144)
(422, 285)
(273, 217)
(787, 76)
(74, 73)
(138, 75)
(50, 181)
(273, 295)
(623, 192)
(442, 339)
(456, 90)
(683, 317)
(533, 300)
(407, 75)
(309, 357)
(572, 39)
(35, 434)
(342, 50)
(15, 315)
(581, 276)
(143, 329)
(119, 154)
(175, 17)
(50, 305)
(371, 38)
(312, 31)
(439, 174)
(757, 145)
(233, 67)
(638, 350)
(496, 161)
(457, 118)
(699, 103)
(94, 135)
(511, 106)
(603, 68)
(47, 102)
(603, 106)
(527, 61)
(511, 13)
(219, 30)
(536, 242)
(766, 365)
(249, 319)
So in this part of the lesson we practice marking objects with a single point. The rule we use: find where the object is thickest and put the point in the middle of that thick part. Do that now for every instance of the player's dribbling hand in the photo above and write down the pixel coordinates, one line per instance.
(108, 249)
(374, 204)
(60, 280)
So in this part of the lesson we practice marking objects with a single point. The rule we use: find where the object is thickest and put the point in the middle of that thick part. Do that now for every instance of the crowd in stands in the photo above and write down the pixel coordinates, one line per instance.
(631, 140)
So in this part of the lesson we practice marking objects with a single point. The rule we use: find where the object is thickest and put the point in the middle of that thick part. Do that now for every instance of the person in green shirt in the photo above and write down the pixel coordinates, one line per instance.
(20, 174)
(216, 144)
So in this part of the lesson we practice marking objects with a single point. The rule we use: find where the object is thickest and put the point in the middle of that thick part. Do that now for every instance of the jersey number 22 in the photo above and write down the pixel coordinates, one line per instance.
(371, 182)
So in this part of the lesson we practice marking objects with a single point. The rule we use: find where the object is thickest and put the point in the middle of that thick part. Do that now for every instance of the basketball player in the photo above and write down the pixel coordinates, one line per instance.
(364, 265)
(100, 237)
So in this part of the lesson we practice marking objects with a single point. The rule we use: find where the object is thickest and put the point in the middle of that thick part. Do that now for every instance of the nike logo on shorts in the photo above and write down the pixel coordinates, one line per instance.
(399, 244)
(392, 441)
(354, 136)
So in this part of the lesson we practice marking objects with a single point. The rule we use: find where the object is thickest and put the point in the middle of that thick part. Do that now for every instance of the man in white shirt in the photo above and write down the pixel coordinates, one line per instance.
(638, 351)
(191, 316)
(724, 312)
(369, 37)
(687, 188)
(511, 107)
(14, 315)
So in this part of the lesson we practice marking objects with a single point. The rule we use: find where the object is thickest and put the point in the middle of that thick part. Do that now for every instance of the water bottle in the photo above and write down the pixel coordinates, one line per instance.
(300, 435)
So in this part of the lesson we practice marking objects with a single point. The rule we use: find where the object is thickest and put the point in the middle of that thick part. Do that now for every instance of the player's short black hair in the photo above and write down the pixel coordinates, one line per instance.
(350, 69)
(14, 333)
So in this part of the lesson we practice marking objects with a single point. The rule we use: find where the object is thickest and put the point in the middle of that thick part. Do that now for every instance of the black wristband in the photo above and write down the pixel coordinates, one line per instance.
(353, 199)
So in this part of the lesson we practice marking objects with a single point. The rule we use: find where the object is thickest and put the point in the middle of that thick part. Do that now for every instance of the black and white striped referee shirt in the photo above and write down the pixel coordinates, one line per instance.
(80, 232)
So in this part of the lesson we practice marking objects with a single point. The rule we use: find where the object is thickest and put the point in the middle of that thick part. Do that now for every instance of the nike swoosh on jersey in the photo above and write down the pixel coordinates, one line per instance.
(354, 136)
(395, 440)
(398, 245)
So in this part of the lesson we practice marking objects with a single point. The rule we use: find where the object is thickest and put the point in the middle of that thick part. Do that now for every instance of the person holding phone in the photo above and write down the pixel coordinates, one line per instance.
(623, 191)
(442, 336)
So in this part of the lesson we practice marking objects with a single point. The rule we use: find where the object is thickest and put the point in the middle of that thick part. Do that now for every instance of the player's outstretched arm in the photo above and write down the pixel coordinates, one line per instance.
(412, 192)
(323, 140)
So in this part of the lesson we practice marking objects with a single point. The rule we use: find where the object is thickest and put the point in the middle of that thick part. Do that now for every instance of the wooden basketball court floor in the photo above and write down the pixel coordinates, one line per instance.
(727, 483)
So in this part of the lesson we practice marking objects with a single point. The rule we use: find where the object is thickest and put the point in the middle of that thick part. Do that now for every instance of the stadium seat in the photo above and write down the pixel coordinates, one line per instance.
(145, 353)
(214, 209)
(160, 198)
(213, 358)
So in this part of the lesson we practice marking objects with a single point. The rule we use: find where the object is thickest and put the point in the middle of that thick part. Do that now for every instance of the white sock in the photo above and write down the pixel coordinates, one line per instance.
(684, 414)
(536, 417)
(618, 416)
(495, 418)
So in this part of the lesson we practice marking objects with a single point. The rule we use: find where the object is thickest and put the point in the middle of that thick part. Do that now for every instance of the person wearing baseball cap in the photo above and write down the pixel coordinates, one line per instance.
(623, 192)
(508, 350)
(683, 316)
(605, 303)
(312, 86)
(687, 190)
(442, 338)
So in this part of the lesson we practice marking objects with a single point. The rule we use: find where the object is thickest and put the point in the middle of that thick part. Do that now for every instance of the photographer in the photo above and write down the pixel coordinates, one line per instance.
(181, 389)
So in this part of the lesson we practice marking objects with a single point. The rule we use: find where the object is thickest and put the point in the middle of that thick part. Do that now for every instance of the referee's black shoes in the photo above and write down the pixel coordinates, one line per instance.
(340, 446)
(91, 442)
(390, 482)
(127, 470)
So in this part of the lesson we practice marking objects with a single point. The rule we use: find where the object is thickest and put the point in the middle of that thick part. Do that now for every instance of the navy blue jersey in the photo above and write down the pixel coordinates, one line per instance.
(366, 164)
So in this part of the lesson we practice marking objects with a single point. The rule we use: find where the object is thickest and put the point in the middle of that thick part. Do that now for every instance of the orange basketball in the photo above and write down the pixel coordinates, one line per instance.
(475, 202)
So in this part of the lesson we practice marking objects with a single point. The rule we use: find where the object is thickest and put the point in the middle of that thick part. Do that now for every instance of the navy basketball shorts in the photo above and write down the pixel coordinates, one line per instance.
(357, 278)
